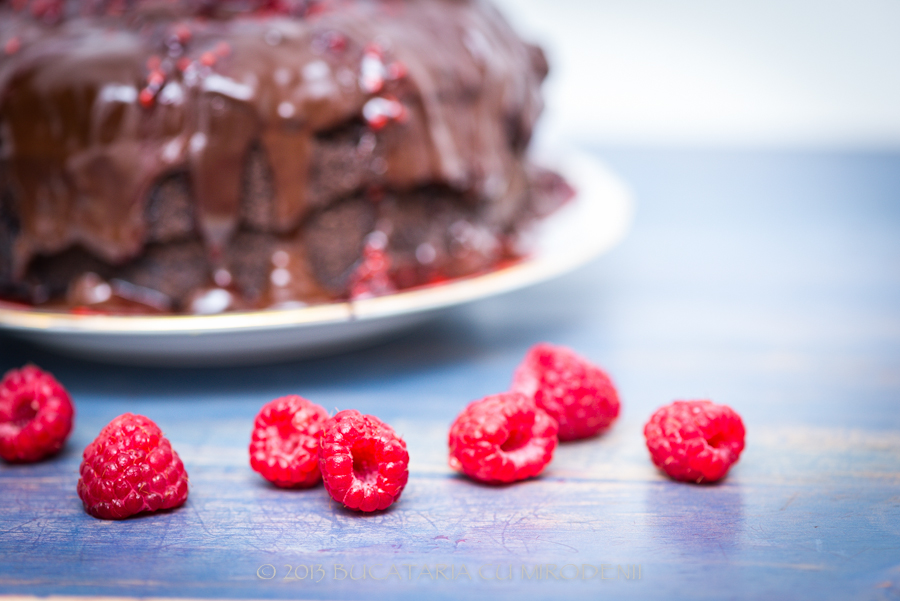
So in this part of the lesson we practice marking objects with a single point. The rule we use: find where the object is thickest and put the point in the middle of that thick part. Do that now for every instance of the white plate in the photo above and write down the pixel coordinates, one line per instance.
(592, 223)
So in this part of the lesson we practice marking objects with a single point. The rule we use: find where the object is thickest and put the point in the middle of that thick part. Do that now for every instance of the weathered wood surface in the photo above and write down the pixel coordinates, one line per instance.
(767, 281)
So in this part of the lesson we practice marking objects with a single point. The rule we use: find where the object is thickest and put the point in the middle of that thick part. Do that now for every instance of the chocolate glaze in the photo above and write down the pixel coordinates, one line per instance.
(228, 118)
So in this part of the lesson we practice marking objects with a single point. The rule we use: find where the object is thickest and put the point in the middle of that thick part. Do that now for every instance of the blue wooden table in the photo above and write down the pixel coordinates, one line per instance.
(769, 281)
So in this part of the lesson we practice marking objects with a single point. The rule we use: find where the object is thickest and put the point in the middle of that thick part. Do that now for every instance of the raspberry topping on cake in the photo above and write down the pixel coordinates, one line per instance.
(370, 278)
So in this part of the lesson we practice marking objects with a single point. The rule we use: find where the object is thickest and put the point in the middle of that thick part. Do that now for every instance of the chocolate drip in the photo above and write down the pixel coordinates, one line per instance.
(257, 208)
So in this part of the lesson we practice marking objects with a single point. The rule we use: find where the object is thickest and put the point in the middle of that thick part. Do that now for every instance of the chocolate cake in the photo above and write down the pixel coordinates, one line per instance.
(199, 156)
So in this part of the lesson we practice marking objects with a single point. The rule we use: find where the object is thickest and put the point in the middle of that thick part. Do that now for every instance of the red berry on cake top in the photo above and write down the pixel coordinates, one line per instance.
(36, 415)
(284, 446)
(576, 393)
(12, 45)
(364, 463)
(131, 468)
(695, 441)
(502, 438)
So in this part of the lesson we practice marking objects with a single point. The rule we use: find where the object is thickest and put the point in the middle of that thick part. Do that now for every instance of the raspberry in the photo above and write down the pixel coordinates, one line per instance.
(284, 446)
(578, 395)
(695, 441)
(371, 276)
(502, 438)
(36, 415)
(364, 463)
(131, 468)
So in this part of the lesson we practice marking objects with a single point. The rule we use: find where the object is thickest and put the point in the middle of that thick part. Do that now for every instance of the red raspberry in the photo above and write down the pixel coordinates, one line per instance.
(695, 441)
(502, 438)
(36, 415)
(364, 463)
(130, 468)
(370, 278)
(577, 394)
(284, 446)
